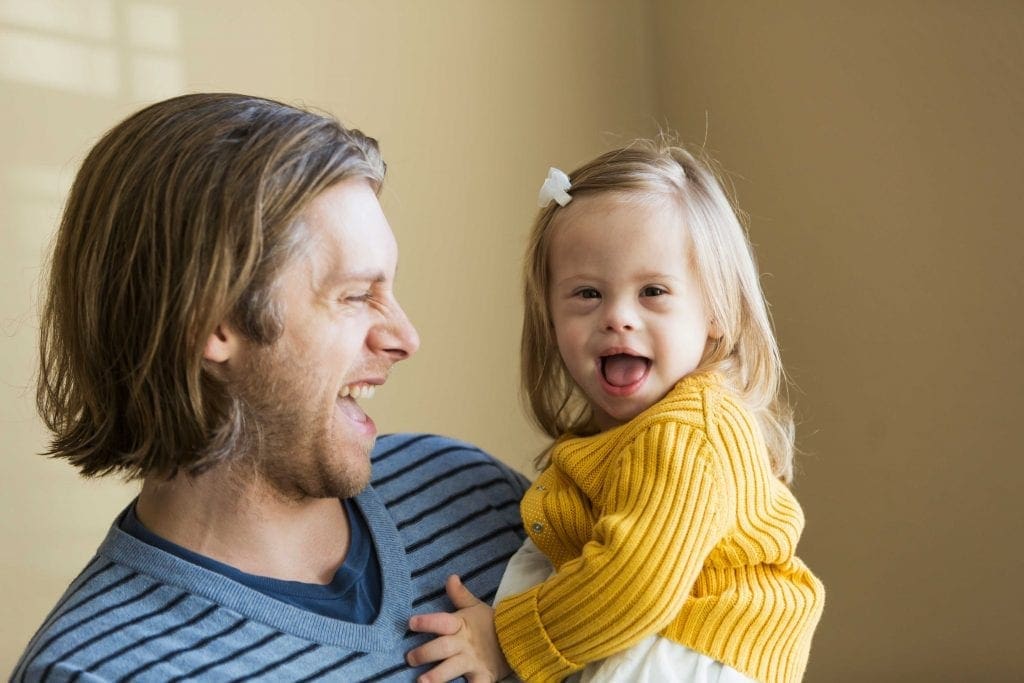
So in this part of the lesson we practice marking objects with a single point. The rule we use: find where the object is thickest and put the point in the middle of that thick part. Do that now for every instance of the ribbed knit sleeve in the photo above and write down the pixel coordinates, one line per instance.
(660, 519)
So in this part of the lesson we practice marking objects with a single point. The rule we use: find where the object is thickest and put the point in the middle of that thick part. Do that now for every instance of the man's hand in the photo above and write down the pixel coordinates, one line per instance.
(466, 640)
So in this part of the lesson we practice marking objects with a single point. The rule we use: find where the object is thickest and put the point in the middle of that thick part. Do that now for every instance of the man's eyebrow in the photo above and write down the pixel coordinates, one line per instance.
(372, 275)
(334, 278)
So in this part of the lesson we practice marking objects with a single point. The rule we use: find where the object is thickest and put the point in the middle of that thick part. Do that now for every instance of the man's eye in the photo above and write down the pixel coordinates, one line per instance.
(358, 298)
(653, 290)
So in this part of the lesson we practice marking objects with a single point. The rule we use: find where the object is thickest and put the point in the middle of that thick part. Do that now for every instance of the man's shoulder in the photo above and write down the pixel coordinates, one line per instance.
(116, 623)
(93, 633)
(456, 511)
(414, 460)
(135, 613)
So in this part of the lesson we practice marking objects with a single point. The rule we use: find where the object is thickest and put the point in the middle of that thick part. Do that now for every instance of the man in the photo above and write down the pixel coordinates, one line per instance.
(221, 297)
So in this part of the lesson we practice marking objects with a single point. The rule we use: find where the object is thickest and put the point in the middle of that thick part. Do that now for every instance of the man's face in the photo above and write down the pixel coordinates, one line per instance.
(343, 330)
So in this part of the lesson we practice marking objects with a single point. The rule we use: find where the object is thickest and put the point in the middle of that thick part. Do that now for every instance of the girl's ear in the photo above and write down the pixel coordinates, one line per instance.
(222, 345)
(714, 330)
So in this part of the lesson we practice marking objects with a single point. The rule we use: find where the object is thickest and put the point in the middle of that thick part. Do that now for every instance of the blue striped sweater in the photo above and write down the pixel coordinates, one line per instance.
(435, 507)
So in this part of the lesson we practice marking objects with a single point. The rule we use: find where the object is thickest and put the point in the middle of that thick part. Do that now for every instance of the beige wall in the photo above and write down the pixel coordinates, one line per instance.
(878, 148)
(875, 148)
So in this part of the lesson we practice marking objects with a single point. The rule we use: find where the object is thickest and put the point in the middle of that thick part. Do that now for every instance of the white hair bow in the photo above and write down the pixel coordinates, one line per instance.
(555, 187)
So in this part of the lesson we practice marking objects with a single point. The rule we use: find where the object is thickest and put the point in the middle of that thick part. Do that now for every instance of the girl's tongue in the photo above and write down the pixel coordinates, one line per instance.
(621, 370)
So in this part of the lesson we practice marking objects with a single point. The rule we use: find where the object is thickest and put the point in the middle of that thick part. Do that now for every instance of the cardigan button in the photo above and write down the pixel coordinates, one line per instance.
(541, 487)
(537, 527)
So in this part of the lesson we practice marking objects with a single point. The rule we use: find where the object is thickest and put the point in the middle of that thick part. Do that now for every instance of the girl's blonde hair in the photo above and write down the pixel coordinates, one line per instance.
(747, 354)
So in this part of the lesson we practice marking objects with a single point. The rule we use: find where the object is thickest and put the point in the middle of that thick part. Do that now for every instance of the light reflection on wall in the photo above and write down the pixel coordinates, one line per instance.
(32, 196)
(154, 38)
(71, 53)
(107, 48)
(92, 19)
(58, 63)
(40, 191)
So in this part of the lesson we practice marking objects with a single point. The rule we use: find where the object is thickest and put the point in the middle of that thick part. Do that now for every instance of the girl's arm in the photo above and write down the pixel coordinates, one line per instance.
(663, 515)
(466, 644)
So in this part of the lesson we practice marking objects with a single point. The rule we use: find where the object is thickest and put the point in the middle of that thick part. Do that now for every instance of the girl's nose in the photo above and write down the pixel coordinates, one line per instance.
(620, 317)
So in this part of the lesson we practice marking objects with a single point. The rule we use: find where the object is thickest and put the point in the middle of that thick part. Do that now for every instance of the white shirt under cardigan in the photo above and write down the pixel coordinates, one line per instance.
(435, 507)
(653, 660)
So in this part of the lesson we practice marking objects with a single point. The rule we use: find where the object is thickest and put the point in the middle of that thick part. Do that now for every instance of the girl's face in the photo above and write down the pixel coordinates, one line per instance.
(629, 316)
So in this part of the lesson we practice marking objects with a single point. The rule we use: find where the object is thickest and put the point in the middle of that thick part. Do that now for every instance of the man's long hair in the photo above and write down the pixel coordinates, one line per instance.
(181, 218)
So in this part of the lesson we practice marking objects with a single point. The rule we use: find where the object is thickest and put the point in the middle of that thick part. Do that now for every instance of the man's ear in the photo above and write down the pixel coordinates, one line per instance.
(222, 345)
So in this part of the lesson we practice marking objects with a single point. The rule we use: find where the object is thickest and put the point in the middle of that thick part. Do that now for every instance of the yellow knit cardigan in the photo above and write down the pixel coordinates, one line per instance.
(670, 524)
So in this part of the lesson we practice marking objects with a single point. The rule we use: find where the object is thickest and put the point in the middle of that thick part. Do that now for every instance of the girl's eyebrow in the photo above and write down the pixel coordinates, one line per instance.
(588, 277)
(658, 276)
(577, 277)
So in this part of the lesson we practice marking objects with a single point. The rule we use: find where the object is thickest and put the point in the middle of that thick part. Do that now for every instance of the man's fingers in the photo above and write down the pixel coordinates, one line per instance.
(440, 623)
(459, 594)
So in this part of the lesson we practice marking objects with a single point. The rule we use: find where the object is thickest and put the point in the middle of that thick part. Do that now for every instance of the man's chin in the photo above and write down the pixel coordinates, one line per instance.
(324, 477)
(350, 488)
(351, 480)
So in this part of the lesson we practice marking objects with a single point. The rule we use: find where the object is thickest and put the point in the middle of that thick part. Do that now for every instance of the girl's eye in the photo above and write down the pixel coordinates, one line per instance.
(588, 293)
(653, 290)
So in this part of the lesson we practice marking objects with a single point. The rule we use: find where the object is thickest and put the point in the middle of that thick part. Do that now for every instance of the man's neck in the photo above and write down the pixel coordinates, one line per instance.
(248, 526)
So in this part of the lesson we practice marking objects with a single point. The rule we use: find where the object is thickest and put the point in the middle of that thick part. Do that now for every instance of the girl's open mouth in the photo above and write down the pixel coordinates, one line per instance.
(623, 373)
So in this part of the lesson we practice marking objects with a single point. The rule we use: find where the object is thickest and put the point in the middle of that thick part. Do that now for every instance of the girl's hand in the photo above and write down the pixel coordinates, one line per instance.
(466, 640)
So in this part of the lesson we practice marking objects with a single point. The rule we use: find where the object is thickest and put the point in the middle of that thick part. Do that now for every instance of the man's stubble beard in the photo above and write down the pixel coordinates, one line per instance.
(289, 448)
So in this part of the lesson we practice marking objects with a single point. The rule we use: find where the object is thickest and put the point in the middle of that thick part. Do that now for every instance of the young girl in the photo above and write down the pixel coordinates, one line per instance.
(663, 507)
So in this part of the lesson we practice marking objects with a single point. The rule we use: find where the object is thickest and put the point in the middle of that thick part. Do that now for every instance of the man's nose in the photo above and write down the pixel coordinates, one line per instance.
(397, 337)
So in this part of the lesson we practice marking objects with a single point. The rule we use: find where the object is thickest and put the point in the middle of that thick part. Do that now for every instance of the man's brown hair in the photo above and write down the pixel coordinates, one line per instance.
(181, 217)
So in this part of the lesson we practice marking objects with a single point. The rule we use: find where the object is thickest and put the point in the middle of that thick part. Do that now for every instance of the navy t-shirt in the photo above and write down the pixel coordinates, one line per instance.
(353, 595)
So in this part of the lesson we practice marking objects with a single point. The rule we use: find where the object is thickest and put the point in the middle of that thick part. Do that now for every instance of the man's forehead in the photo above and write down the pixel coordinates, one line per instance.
(346, 235)
(331, 262)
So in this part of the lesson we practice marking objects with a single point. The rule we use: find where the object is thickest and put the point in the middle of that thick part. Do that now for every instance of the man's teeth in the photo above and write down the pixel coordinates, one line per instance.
(358, 391)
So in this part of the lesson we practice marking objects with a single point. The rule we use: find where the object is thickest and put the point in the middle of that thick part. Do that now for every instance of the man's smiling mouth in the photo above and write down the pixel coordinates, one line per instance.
(358, 390)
